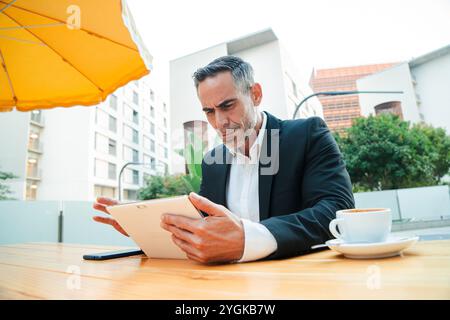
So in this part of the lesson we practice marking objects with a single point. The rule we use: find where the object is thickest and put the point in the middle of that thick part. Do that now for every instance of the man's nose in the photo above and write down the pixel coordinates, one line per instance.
(221, 120)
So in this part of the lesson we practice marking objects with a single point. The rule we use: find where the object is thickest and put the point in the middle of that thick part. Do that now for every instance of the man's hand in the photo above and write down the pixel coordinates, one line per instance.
(101, 205)
(216, 238)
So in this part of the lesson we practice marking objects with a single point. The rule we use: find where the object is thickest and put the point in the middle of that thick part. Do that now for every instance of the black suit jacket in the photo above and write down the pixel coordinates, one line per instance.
(300, 190)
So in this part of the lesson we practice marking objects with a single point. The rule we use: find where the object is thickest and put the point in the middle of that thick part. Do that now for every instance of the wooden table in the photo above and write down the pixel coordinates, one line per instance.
(50, 271)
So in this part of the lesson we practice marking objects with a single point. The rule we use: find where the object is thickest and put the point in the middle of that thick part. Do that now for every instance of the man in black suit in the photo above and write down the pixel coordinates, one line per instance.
(273, 186)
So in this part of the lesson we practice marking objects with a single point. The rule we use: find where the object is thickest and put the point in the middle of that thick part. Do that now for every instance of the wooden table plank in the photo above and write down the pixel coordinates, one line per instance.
(42, 271)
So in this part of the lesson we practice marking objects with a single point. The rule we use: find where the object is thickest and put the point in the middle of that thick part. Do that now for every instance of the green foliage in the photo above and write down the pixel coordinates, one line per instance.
(163, 186)
(193, 155)
(384, 152)
(4, 189)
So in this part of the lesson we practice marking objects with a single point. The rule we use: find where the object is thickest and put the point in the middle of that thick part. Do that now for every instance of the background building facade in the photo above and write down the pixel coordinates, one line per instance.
(76, 153)
(425, 82)
(339, 111)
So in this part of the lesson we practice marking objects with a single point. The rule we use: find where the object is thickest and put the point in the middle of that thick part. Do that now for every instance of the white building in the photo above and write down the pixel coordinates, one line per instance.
(77, 153)
(273, 68)
(425, 82)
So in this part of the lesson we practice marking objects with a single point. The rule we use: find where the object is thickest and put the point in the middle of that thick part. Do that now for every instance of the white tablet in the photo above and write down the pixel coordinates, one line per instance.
(141, 220)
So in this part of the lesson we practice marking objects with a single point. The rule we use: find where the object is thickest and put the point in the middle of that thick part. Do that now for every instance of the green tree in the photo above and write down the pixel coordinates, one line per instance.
(4, 189)
(163, 186)
(439, 150)
(384, 152)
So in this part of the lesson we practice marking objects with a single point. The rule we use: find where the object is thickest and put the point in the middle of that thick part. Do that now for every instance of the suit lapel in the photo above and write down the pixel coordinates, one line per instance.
(221, 172)
(265, 180)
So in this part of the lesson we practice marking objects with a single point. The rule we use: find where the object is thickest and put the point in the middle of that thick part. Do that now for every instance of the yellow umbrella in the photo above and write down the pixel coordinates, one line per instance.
(66, 52)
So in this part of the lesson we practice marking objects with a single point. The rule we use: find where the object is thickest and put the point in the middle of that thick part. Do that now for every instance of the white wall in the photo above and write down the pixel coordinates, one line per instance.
(14, 130)
(65, 160)
(312, 107)
(433, 86)
(397, 78)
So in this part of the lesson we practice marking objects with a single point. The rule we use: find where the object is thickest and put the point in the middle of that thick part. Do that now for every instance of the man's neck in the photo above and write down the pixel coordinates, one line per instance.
(252, 138)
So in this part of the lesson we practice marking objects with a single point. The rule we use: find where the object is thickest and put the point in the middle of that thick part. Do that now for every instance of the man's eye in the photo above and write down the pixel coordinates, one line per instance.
(209, 111)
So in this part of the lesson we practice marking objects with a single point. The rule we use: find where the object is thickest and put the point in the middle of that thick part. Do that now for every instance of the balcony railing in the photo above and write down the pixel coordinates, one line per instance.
(37, 118)
(34, 173)
(35, 146)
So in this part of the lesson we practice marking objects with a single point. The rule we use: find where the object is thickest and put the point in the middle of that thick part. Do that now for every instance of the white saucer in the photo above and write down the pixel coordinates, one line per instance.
(393, 246)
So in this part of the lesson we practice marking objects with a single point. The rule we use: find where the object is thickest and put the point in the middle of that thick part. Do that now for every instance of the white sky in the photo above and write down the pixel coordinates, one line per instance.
(316, 33)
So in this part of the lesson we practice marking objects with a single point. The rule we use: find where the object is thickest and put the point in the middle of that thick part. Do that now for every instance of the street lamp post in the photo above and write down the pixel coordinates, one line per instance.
(121, 172)
(339, 93)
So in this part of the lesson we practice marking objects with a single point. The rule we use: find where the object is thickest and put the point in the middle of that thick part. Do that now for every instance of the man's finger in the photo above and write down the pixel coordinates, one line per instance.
(183, 245)
(100, 207)
(182, 234)
(111, 222)
(107, 201)
(181, 222)
(206, 205)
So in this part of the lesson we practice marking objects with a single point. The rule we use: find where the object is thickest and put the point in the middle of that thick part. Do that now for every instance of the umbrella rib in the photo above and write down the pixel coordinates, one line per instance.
(63, 22)
(7, 6)
(21, 40)
(53, 49)
(33, 26)
(9, 78)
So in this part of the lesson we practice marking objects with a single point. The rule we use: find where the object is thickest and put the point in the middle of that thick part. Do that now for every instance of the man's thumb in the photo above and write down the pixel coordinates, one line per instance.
(206, 205)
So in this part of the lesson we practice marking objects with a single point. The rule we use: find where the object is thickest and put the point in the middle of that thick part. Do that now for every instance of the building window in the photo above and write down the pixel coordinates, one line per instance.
(33, 141)
(104, 169)
(36, 116)
(135, 177)
(32, 168)
(135, 117)
(153, 163)
(113, 102)
(393, 107)
(135, 136)
(152, 128)
(152, 145)
(165, 123)
(130, 194)
(164, 107)
(130, 134)
(31, 191)
(166, 153)
(152, 111)
(165, 137)
(135, 98)
(112, 124)
(152, 95)
(112, 150)
(104, 191)
(135, 155)
(111, 171)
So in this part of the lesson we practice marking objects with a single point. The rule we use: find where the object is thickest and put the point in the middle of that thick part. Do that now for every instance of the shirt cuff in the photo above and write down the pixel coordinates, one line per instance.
(259, 241)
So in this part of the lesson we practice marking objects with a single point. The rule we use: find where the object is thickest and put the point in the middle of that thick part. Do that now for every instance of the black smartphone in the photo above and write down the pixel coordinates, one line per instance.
(112, 254)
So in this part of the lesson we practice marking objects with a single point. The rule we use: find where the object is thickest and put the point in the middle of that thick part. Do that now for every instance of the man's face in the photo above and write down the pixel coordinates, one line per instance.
(230, 112)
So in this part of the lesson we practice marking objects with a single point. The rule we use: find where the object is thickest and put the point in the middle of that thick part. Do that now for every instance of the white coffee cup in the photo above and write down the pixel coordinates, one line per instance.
(362, 225)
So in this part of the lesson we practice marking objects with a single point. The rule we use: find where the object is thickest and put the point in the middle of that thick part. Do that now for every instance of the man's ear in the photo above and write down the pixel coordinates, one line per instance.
(256, 94)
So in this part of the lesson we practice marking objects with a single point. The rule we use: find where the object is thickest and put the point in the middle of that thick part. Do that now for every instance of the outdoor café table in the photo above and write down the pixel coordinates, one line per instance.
(58, 271)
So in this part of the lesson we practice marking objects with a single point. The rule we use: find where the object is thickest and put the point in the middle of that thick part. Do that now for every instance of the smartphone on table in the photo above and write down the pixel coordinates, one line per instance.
(113, 254)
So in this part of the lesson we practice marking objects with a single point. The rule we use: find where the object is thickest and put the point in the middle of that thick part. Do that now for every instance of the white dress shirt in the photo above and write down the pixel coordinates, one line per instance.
(242, 196)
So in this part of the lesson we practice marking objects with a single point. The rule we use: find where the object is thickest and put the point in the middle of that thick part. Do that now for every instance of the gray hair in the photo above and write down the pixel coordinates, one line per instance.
(241, 71)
